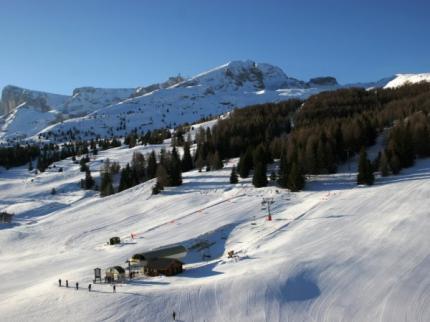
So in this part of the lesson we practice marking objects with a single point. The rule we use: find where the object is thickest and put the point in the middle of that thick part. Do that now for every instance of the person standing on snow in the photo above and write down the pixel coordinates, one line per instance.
(174, 316)
(114, 288)
(77, 286)
(59, 282)
(89, 287)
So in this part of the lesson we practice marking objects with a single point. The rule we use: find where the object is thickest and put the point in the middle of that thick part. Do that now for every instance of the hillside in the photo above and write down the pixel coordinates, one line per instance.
(334, 251)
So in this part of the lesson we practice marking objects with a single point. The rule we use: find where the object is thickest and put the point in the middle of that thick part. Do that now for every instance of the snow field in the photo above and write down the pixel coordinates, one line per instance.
(332, 252)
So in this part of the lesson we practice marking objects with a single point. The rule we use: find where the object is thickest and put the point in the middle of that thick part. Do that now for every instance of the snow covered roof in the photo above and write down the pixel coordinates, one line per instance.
(161, 253)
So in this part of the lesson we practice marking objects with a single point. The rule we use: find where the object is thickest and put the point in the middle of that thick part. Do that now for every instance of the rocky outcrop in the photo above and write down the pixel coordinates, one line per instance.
(247, 75)
(13, 96)
(322, 81)
(148, 89)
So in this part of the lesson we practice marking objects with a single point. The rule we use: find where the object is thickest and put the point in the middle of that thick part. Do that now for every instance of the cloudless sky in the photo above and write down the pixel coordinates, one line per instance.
(57, 45)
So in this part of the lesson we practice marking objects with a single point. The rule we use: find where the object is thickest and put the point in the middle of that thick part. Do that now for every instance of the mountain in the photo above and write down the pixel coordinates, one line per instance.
(91, 112)
(27, 112)
(236, 84)
(402, 79)
(13, 96)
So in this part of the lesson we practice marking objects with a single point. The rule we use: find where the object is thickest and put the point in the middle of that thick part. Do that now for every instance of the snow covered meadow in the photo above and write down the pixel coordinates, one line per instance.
(335, 251)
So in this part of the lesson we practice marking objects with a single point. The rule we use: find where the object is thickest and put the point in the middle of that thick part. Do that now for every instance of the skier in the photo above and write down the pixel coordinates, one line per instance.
(67, 283)
(89, 287)
(114, 288)
(174, 316)
(59, 282)
(77, 286)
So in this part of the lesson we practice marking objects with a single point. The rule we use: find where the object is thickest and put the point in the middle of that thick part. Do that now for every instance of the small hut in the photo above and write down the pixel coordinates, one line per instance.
(5, 218)
(114, 241)
(163, 266)
(97, 275)
(115, 274)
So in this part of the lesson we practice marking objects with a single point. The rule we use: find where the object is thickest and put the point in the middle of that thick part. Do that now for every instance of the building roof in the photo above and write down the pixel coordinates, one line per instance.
(162, 263)
(119, 269)
(160, 253)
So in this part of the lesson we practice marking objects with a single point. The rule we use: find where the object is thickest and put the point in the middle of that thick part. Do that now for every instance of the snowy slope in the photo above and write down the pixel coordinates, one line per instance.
(88, 99)
(25, 121)
(27, 112)
(402, 79)
(333, 252)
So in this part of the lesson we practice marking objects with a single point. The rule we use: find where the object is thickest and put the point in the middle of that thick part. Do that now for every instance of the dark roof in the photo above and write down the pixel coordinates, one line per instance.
(162, 263)
(160, 253)
(119, 269)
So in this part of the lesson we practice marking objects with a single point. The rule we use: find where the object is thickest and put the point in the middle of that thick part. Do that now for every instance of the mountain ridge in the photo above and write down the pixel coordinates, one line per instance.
(118, 111)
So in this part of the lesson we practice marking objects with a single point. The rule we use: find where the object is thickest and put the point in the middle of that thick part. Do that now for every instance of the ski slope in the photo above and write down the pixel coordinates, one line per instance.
(334, 252)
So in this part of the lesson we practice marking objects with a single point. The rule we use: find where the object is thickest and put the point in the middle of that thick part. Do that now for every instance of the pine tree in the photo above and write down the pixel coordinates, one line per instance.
(259, 178)
(88, 181)
(187, 160)
(233, 176)
(216, 162)
(106, 187)
(174, 169)
(157, 188)
(200, 163)
(152, 166)
(245, 164)
(40, 164)
(395, 164)
(283, 170)
(295, 181)
(311, 163)
(125, 179)
(138, 167)
(384, 166)
(163, 179)
(365, 173)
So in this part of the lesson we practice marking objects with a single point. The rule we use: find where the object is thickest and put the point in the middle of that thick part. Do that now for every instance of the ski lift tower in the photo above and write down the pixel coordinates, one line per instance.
(268, 202)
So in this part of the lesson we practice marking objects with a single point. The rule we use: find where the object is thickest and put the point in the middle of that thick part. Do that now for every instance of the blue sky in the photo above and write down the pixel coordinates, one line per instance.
(58, 45)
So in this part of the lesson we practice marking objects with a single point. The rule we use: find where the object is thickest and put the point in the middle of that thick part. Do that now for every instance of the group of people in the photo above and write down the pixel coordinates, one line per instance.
(77, 285)
(89, 290)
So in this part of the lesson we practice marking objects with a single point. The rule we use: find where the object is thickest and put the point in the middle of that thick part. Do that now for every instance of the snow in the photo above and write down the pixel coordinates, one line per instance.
(332, 252)
(25, 121)
(88, 99)
(402, 79)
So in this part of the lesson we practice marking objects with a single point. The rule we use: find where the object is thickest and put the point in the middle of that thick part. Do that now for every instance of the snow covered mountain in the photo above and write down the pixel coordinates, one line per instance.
(402, 79)
(106, 112)
(27, 112)
(217, 91)
(90, 112)
(13, 96)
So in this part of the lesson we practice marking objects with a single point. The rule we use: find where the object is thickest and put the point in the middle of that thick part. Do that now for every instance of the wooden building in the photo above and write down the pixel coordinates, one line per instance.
(115, 274)
(172, 252)
(162, 261)
(163, 266)
(5, 218)
(114, 241)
